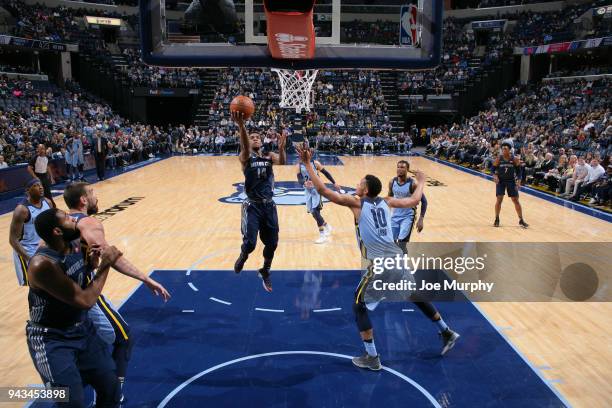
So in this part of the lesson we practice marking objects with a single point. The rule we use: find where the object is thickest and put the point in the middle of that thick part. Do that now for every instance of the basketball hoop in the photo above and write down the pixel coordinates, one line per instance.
(296, 87)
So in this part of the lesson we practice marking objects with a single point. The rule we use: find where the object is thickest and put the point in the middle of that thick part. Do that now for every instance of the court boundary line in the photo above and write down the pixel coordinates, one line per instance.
(581, 208)
(197, 376)
(518, 352)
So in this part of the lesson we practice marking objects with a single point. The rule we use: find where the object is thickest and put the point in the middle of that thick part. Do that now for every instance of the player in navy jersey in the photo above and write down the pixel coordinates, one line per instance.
(402, 222)
(23, 237)
(110, 325)
(507, 176)
(314, 201)
(372, 218)
(259, 214)
(62, 340)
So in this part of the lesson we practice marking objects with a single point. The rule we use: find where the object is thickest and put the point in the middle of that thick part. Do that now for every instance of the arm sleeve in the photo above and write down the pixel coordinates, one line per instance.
(423, 205)
(329, 176)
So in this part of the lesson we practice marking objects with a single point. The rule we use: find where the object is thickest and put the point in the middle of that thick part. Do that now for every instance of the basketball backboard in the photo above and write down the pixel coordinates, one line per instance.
(337, 39)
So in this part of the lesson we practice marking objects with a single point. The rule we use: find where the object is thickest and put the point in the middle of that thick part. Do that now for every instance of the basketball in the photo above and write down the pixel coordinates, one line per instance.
(243, 104)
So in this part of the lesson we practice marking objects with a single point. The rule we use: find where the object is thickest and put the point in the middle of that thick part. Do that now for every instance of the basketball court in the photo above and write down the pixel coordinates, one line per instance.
(222, 341)
(222, 337)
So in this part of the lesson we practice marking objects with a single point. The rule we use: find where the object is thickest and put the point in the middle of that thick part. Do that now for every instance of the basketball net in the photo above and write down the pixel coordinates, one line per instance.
(296, 87)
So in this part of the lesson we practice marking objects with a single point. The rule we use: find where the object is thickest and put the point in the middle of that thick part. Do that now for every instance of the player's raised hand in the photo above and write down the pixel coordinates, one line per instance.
(238, 117)
(282, 139)
(303, 152)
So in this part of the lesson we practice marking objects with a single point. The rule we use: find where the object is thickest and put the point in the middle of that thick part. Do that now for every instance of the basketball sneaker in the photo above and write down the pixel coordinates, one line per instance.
(449, 338)
(523, 224)
(327, 229)
(264, 274)
(322, 238)
(367, 361)
(496, 223)
(242, 258)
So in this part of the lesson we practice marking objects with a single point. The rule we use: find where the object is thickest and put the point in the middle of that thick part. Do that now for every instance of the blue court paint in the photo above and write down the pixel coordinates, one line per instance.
(173, 347)
(169, 397)
(593, 212)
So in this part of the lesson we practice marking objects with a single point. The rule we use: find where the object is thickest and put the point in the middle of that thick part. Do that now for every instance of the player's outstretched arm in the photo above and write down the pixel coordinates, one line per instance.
(92, 231)
(333, 196)
(327, 174)
(414, 199)
(245, 145)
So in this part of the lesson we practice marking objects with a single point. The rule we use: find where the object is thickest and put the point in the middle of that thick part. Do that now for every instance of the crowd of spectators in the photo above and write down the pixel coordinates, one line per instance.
(140, 74)
(345, 102)
(33, 113)
(552, 127)
(459, 61)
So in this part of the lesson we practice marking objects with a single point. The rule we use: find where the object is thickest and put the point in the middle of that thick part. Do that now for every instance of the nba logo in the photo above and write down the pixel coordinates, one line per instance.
(408, 25)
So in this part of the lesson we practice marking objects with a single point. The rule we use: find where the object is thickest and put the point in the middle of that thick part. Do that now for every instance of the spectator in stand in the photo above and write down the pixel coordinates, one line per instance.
(581, 172)
(567, 174)
(552, 177)
(368, 142)
(100, 150)
(220, 143)
(39, 168)
(602, 190)
(3, 164)
(596, 171)
(74, 157)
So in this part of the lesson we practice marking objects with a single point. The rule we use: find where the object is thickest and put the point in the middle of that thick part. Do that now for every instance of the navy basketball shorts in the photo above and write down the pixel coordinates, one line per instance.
(71, 357)
(260, 218)
(506, 185)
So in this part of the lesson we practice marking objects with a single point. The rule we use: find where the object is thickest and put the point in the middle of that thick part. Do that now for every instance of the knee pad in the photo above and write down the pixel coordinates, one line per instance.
(361, 316)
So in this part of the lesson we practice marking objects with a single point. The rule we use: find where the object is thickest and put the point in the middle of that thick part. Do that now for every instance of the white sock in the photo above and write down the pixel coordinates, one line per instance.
(370, 348)
(442, 325)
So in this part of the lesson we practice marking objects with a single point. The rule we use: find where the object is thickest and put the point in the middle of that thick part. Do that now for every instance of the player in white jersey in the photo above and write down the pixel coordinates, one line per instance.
(372, 216)
(23, 237)
(314, 201)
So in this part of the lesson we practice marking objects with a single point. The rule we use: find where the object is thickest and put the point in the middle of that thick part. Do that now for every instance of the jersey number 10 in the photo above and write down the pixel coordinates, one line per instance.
(380, 220)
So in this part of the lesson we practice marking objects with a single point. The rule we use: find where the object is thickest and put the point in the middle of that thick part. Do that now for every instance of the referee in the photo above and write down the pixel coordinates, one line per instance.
(39, 168)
